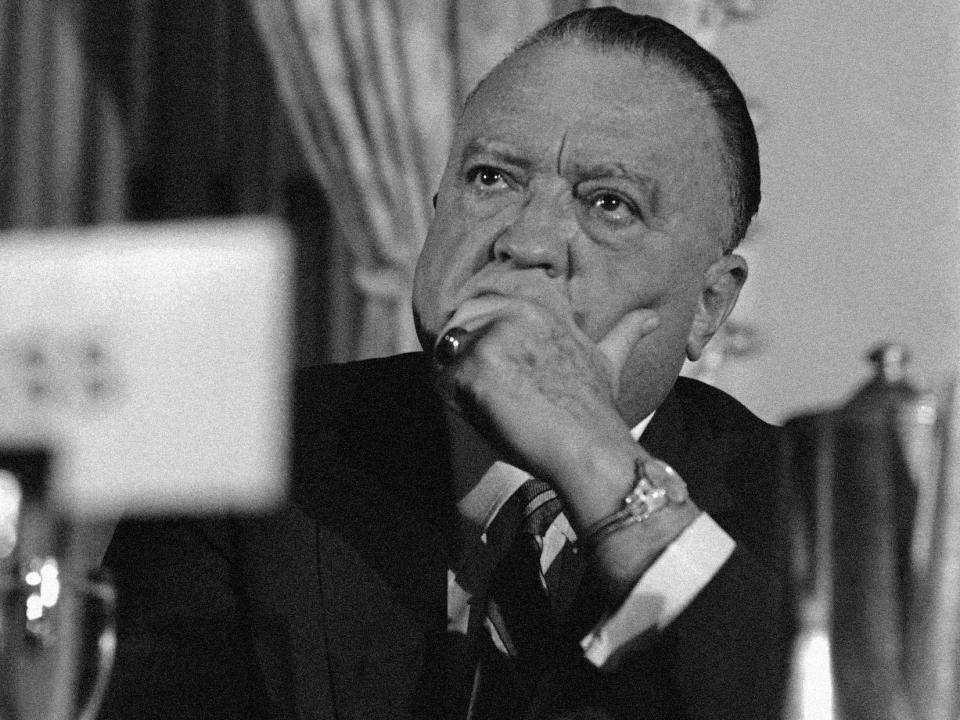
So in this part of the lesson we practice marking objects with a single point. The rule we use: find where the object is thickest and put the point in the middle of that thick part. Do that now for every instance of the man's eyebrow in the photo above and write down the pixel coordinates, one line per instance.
(588, 171)
(498, 151)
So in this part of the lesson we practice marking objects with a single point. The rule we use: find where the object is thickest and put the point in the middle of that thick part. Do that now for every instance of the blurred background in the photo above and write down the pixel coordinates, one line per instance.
(335, 114)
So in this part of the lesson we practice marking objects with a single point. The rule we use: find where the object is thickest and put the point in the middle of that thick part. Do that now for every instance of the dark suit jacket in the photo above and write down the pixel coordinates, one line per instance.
(335, 607)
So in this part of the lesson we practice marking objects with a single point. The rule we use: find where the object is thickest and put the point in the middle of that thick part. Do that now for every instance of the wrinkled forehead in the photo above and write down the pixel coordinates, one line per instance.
(599, 106)
(573, 89)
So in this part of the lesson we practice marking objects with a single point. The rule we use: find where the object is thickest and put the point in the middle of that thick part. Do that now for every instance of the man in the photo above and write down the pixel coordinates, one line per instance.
(598, 181)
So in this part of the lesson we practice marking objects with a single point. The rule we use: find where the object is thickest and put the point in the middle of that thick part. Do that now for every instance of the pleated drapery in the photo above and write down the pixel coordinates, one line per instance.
(371, 87)
(61, 134)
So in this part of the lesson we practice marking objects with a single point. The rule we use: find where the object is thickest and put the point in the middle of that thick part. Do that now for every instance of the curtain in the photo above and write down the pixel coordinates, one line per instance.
(61, 137)
(372, 88)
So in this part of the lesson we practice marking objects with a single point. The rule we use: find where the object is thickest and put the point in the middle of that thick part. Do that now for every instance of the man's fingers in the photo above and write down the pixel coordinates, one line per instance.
(477, 312)
(618, 343)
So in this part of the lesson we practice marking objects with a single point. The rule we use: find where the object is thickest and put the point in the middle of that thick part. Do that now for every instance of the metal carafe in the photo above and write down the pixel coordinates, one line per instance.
(860, 519)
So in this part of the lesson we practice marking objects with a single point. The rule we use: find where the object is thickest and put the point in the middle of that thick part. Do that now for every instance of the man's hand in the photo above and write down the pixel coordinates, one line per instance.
(535, 385)
(545, 395)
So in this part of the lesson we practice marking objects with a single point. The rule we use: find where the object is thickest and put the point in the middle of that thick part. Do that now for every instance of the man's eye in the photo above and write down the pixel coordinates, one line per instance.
(486, 176)
(611, 206)
(608, 203)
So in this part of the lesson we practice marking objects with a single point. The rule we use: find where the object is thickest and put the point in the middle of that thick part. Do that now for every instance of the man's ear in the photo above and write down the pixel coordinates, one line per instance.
(721, 288)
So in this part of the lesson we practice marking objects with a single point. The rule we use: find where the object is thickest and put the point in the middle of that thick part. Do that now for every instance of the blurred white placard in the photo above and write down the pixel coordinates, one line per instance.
(153, 361)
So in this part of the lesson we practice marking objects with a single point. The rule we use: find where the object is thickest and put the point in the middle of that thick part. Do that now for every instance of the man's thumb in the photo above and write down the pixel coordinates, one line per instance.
(628, 331)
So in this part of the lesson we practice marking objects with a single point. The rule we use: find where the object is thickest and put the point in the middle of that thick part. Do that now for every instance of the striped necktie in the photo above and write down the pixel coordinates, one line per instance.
(525, 603)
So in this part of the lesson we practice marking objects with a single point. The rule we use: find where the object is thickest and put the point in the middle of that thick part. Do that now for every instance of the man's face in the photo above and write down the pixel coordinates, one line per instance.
(590, 183)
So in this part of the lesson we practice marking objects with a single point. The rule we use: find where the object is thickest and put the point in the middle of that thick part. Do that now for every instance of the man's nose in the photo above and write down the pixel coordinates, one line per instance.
(539, 236)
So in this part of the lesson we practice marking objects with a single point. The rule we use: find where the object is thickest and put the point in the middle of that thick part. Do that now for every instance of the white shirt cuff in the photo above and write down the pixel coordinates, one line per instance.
(665, 590)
